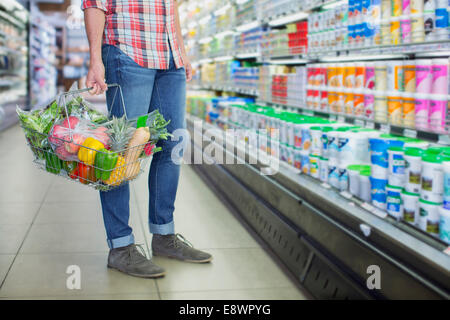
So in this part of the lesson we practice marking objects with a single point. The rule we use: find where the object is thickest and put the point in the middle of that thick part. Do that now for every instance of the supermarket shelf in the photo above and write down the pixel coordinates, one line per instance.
(367, 123)
(379, 52)
(248, 92)
(328, 226)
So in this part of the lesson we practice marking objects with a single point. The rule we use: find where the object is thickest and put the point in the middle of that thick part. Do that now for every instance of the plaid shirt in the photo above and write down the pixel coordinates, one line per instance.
(142, 29)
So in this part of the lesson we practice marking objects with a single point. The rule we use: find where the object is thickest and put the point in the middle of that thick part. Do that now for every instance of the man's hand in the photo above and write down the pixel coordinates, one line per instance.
(96, 78)
(187, 68)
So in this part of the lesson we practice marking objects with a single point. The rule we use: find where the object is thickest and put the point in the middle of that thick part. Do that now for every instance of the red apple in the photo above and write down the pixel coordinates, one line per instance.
(73, 121)
(74, 146)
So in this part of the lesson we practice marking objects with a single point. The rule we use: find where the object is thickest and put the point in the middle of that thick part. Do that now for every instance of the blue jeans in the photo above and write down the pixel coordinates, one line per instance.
(144, 90)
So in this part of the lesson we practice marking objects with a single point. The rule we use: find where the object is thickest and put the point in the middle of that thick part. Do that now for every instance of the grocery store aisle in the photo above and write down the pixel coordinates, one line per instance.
(48, 224)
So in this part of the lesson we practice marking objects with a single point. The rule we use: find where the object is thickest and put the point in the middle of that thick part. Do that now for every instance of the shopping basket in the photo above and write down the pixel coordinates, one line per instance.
(92, 164)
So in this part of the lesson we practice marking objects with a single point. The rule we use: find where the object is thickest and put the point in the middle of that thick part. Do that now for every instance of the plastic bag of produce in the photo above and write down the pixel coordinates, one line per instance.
(69, 134)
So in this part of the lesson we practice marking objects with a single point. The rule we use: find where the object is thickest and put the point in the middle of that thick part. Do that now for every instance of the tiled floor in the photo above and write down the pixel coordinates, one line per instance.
(48, 223)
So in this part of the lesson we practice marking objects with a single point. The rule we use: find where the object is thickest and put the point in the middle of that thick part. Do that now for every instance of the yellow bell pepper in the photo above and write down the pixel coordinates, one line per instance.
(118, 174)
(88, 150)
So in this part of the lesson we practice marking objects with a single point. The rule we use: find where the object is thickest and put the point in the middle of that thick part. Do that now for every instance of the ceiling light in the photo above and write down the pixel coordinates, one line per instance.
(288, 19)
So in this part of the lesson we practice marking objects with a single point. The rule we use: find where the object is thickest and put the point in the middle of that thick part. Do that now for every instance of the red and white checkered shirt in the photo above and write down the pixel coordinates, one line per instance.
(142, 29)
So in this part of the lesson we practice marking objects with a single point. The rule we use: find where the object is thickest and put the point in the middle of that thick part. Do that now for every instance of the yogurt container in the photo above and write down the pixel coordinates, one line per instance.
(380, 76)
(395, 108)
(380, 106)
(304, 161)
(437, 115)
(333, 173)
(410, 204)
(424, 77)
(316, 140)
(325, 140)
(409, 107)
(365, 186)
(297, 159)
(343, 177)
(379, 155)
(353, 178)
(446, 167)
(439, 71)
(422, 110)
(413, 169)
(397, 174)
(314, 166)
(444, 225)
(394, 201)
(323, 169)
(429, 216)
(378, 192)
(432, 178)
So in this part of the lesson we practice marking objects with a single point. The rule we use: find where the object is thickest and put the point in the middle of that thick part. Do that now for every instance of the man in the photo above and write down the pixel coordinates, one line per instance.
(138, 45)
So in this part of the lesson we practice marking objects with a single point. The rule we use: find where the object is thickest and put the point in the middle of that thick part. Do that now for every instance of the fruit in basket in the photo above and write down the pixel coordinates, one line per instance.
(101, 135)
(134, 150)
(105, 162)
(52, 163)
(118, 174)
(88, 150)
(74, 146)
(86, 173)
(62, 153)
(121, 132)
(71, 121)
(57, 135)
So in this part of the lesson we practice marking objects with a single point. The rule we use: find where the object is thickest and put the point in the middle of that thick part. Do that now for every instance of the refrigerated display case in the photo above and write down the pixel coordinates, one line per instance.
(13, 60)
(331, 239)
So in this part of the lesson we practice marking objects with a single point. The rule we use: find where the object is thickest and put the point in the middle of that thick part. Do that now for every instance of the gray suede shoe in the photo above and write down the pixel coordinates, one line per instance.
(177, 247)
(131, 261)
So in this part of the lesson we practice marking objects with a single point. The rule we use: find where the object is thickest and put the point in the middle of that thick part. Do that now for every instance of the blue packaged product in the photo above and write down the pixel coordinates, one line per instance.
(394, 201)
(379, 151)
(304, 161)
(333, 174)
(378, 192)
(365, 7)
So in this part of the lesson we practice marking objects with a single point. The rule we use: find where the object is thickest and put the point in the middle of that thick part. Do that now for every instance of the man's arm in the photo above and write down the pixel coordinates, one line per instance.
(94, 20)
(187, 64)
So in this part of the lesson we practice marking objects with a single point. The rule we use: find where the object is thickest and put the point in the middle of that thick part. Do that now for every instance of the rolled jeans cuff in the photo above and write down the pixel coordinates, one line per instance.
(121, 242)
(168, 228)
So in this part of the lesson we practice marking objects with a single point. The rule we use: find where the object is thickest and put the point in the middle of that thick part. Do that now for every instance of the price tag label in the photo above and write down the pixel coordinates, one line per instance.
(346, 194)
(368, 206)
(341, 119)
(326, 185)
(410, 133)
(385, 128)
(379, 213)
(447, 251)
(332, 117)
